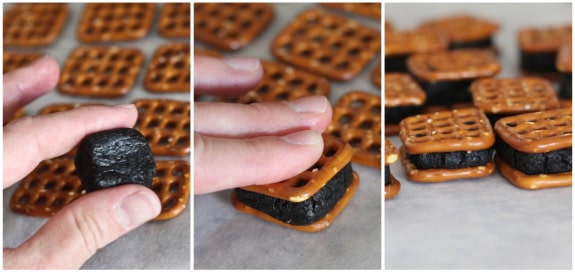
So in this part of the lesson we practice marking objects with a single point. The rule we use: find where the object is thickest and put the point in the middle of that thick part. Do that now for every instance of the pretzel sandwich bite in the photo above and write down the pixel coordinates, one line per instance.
(309, 201)
(447, 145)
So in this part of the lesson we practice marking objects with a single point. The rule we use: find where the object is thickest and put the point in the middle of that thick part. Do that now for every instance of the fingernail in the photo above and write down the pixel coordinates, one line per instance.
(306, 137)
(126, 106)
(243, 64)
(137, 209)
(311, 104)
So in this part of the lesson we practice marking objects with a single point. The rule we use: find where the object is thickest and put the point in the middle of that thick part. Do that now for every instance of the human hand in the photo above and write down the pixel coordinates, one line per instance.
(237, 145)
(92, 221)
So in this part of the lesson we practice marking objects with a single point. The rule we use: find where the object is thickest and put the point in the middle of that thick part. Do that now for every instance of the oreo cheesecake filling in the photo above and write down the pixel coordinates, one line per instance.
(552, 162)
(394, 115)
(446, 93)
(539, 62)
(451, 160)
(305, 212)
(483, 43)
(396, 64)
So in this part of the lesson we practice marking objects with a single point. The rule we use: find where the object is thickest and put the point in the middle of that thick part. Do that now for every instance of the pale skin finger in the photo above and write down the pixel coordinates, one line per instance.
(226, 77)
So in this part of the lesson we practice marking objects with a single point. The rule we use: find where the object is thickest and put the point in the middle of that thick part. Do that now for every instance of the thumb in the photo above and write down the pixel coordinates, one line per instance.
(92, 221)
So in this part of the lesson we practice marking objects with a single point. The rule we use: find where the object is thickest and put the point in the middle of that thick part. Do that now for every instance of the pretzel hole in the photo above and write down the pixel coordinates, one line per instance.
(330, 152)
(177, 172)
(287, 48)
(374, 149)
(67, 187)
(324, 60)
(170, 203)
(57, 203)
(186, 126)
(41, 200)
(91, 69)
(295, 82)
(156, 78)
(153, 123)
(342, 65)
(171, 125)
(306, 53)
(179, 64)
(43, 169)
(471, 122)
(246, 24)
(356, 104)
(182, 141)
(349, 33)
(366, 125)
(336, 133)
(157, 187)
(136, 26)
(25, 199)
(259, 12)
(230, 19)
(282, 96)
(33, 183)
(345, 119)
(312, 88)
(118, 83)
(263, 89)
(124, 70)
(511, 124)
(174, 187)
(102, 83)
(86, 82)
(276, 76)
(419, 135)
(353, 52)
(336, 46)
(164, 140)
(355, 142)
(300, 183)
(159, 109)
(50, 185)
(177, 111)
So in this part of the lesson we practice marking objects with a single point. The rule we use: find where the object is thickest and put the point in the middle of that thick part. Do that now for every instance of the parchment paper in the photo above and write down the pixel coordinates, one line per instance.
(482, 223)
(155, 245)
(227, 239)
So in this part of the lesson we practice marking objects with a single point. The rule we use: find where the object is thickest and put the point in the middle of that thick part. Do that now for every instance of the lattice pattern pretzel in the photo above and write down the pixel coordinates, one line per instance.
(165, 124)
(357, 121)
(230, 26)
(372, 10)
(454, 64)
(172, 185)
(446, 131)
(33, 24)
(174, 21)
(100, 71)
(103, 22)
(328, 45)
(169, 69)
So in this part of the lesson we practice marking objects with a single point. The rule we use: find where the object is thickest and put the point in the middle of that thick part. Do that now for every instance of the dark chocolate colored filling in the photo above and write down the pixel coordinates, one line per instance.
(484, 43)
(394, 115)
(565, 86)
(539, 62)
(396, 64)
(305, 212)
(114, 157)
(386, 175)
(447, 93)
(451, 160)
(552, 162)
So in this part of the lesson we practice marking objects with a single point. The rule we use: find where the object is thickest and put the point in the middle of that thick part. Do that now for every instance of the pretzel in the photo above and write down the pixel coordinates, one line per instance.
(283, 83)
(174, 22)
(391, 155)
(303, 187)
(460, 64)
(53, 184)
(172, 185)
(376, 75)
(538, 131)
(463, 28)
(327, 45)
(33, 24)
(104, 22)
(100, 71)
(545, 39)
(14, 60)
(533, 182)
(169, 69)
(447, 131)
(442, 174)
(564, 59)
(165, 124)
(513, 95)
(357, 121)
(372, 10)
(402, 90)
(230, 26)
(402, 43)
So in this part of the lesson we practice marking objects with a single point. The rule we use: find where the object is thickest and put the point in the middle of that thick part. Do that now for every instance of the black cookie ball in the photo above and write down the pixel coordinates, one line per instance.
(114, 157)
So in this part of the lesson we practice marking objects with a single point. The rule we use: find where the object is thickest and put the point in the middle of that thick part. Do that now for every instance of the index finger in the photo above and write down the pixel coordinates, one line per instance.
(226, 77)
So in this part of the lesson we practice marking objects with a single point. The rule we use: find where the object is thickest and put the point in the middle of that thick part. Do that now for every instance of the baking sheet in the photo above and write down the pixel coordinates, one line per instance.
(482, 223)
(155, 245)
(227, 239)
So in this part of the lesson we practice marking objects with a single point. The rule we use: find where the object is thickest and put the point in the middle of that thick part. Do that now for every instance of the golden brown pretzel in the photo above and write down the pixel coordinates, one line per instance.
(462, 27)
(33, 24)
(174, 22)
(372, 10)
(533, 182)
(513, 95)
(14, 60)
(100, 71)
(402, 90)
(165, 124)
(357, 121)
(169, 70)
(376, 75)
(537, 132)
(230, 26)
(326, 44)
(548, 39)
(103, 22)
(398, 43)
(446, 131)
(564, 58)
(172, 185)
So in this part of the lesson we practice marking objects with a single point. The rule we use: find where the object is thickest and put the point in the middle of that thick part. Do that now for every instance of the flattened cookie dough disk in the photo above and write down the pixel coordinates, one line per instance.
(114, 157)
(327, 45)
(309, 201)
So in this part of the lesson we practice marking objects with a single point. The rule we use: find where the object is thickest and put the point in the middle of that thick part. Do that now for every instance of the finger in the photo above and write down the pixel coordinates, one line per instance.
(259, 119)
(23, 85)
(29, 140)
(226, 77)
(221, 163)
(89, 223)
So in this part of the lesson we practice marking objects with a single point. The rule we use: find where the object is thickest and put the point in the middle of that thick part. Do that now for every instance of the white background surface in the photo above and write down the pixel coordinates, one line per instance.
(484, 223)
(155, 245)
(227, 239)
